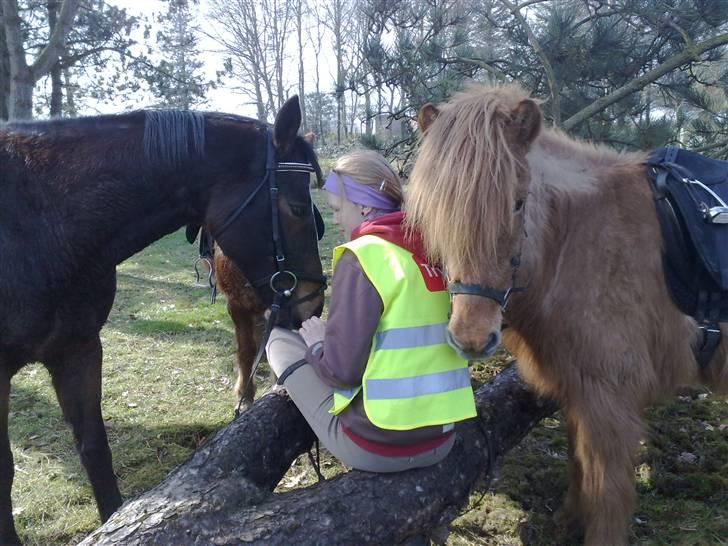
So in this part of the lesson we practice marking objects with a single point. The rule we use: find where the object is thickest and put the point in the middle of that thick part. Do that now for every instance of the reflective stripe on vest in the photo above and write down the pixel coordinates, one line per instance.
(414, 336)
(413, 378)
(419, 385)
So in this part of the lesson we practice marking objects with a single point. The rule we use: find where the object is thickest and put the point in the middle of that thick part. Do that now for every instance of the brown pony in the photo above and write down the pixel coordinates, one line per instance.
(595, 327)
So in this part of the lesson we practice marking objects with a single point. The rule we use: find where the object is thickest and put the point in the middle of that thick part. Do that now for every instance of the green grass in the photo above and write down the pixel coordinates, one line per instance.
(168, 383)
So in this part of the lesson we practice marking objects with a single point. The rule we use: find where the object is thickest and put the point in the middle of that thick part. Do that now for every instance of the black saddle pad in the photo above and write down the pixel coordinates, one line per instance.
(695, 184)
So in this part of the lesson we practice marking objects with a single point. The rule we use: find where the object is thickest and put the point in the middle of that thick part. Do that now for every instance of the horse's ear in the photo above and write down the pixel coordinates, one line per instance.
(526, 121)
(428, 114)
(287, 123)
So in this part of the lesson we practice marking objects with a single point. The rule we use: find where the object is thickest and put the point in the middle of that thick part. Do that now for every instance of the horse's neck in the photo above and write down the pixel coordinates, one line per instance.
(120, 216)
(572, 193)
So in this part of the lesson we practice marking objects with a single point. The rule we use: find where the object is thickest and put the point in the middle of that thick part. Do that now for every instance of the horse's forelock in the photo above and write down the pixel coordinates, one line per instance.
(464, 181)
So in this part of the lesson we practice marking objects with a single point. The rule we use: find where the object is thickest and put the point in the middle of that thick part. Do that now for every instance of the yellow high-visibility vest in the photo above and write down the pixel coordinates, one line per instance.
(413, 378)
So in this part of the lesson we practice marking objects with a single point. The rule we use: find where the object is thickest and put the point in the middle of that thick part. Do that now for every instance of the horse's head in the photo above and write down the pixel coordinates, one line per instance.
(467, 197)
(271, 228)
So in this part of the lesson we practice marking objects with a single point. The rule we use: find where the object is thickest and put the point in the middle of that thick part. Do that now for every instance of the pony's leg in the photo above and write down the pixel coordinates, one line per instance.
(77, 381)
(607, 431)
(245, 351)
(7, 527)
(570, 516)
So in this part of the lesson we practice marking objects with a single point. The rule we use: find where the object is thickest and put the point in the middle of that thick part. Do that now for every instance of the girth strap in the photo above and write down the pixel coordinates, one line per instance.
(711, 339)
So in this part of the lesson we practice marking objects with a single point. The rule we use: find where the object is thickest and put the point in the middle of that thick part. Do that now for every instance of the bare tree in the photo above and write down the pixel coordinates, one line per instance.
(300, 6)
(23, 76)
(339, 15)
(254, 33)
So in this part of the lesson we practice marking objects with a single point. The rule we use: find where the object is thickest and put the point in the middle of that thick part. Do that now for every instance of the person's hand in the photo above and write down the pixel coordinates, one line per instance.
(312, 331)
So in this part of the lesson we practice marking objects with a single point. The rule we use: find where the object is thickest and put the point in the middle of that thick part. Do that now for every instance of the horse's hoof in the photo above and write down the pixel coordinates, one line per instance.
(244, 404)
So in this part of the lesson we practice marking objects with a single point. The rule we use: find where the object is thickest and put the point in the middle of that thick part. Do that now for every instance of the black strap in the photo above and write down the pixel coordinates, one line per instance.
(500, 296)
(233, 216)
(270, 323)
(709, 344)
(289, 370)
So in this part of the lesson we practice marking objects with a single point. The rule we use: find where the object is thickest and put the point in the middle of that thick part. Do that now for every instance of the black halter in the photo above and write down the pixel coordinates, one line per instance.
(499, 296)
(281, 294)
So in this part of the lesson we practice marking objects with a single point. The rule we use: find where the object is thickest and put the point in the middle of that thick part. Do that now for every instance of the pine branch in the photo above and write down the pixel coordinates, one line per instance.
(689, 54)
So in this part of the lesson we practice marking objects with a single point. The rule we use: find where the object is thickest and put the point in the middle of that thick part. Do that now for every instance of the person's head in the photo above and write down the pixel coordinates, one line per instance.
(362, 185)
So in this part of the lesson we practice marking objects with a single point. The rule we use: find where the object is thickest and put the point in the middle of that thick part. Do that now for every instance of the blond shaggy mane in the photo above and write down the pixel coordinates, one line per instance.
(466, 143)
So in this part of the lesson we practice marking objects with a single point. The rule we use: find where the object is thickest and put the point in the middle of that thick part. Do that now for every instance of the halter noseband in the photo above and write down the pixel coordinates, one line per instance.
(281, 295)
(501, 297)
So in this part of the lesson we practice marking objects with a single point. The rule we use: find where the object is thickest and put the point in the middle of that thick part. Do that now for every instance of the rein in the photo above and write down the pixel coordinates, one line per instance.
(282, 295)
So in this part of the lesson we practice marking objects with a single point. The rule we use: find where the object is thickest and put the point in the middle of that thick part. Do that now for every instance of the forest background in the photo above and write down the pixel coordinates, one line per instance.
(635, 74)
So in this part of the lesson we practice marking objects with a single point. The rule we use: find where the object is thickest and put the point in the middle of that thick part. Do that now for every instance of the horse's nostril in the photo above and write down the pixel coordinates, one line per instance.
(492, 343)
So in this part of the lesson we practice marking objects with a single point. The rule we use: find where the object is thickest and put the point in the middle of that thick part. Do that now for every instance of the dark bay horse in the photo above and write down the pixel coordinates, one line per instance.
(80, 196)
(575, 225)
(243, 305)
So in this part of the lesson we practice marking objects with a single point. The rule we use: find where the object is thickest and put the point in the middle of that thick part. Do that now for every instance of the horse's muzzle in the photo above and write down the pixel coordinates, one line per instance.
(469, 353)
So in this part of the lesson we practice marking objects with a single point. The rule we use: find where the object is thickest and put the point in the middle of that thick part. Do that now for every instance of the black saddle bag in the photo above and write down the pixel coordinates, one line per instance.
(691, 196)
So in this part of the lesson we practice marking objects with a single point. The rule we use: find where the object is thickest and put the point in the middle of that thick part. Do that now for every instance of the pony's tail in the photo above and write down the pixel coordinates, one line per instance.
(715, 374)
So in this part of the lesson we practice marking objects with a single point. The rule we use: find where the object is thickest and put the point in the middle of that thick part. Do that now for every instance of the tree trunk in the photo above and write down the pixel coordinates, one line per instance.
(301, 87)
(368, 111)
(22, 75)
(222, 494)
(56, 82)
(4, 71)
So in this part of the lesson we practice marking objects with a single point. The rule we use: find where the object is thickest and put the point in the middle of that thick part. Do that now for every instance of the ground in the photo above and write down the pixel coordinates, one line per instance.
(168, 384)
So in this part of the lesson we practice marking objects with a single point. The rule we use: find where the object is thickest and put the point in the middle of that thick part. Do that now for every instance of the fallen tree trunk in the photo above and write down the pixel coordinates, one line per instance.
(222, 494)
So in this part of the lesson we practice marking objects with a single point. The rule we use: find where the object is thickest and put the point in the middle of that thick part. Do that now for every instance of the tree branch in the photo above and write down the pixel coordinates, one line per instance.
(689, 54)
(57, 41)
(548, 69)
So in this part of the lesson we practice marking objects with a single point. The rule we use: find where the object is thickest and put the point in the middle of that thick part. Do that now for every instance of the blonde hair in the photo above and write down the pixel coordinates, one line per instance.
(371, 169)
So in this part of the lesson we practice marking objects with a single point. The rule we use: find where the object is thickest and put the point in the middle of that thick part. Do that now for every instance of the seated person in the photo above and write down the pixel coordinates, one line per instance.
(377, 382)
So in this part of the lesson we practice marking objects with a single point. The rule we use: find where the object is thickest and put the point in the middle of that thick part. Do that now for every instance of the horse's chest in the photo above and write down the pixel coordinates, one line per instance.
(37, 327)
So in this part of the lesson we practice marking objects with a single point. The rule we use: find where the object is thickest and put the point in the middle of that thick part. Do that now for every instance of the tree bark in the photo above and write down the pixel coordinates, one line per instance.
(222, 494)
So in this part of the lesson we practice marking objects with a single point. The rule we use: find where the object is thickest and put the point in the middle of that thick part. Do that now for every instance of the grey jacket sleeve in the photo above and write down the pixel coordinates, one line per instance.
(354, 313)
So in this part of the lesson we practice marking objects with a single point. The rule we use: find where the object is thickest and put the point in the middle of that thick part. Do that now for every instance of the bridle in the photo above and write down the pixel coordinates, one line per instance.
(272, 167)
(281, 293)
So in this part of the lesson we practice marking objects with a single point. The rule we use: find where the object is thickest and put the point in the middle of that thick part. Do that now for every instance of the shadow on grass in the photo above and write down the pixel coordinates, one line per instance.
(191, 313)
(143, 454)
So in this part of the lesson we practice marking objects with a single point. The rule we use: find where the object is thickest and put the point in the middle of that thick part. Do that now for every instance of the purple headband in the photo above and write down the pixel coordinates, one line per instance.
(358, 193)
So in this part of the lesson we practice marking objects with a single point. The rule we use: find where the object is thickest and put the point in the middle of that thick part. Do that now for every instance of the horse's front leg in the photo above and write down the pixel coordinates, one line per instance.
(570, 517)
(245, 338)
(607, 427)
(77, 380)
(7, 527)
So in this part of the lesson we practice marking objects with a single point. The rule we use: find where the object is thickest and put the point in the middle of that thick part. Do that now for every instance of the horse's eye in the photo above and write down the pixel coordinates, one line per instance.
(299, 210)
(519, 205)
